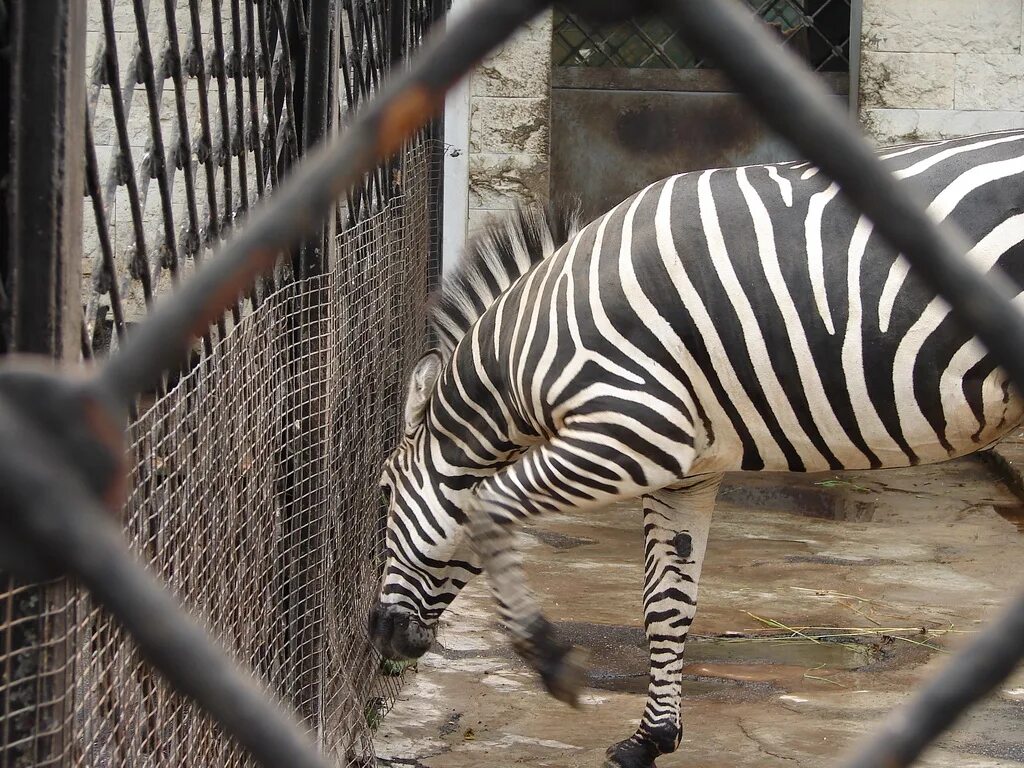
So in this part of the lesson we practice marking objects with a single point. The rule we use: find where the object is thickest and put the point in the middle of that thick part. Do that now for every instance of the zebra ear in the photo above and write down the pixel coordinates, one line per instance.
(421, 385)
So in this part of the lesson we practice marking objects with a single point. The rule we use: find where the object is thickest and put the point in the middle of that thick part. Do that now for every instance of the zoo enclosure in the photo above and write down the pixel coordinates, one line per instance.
(47, 499)
(253, 473)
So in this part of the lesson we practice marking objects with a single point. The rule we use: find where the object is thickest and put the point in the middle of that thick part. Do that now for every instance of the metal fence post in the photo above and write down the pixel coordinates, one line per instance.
(305, 519)
(43, 93)
(47, 176)
(317, 111)
(438, 10)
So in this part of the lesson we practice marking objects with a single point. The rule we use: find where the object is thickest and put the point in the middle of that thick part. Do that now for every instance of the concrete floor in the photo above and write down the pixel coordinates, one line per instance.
(910, 561)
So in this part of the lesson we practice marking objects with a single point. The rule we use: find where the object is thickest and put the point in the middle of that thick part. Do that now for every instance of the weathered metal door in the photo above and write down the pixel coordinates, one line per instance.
(631, 104)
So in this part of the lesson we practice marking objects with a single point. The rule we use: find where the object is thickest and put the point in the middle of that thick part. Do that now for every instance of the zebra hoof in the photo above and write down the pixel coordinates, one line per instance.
(631, 753)
(568, 677)
(562, 667)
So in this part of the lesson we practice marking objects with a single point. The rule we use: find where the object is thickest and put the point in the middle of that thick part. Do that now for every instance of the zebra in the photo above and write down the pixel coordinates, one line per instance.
(718, 320)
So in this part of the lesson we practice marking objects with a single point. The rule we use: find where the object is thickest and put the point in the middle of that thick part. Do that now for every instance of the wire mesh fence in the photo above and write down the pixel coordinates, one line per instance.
(254, 496)
(253, 476)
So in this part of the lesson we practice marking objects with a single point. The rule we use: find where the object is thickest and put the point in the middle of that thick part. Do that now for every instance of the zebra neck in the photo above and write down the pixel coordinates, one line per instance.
(471, 427)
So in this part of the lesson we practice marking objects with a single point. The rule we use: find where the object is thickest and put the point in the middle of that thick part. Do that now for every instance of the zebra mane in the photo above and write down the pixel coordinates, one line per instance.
(493, 260)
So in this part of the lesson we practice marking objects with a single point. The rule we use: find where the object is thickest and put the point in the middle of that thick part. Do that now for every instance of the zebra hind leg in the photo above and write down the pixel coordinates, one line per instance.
(676, 525)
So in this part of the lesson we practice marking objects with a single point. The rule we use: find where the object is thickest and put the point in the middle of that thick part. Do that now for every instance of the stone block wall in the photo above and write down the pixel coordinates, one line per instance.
(940, 68)
(509, 125)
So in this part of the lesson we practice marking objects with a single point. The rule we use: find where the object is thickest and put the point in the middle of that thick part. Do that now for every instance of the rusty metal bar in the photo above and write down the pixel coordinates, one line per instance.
(161, 341)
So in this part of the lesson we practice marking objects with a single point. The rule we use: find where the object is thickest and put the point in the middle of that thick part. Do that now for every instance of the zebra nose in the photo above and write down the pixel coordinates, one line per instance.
(398, 634)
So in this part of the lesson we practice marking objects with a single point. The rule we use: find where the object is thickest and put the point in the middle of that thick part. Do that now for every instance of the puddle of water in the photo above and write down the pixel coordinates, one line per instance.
(618, 660)
(826, 499)
(798, 652)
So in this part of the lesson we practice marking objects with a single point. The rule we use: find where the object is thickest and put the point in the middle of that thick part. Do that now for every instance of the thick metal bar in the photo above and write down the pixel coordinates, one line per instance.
(161, 341)
(42, 264)
(301, 607)
(436, 223)
(54, 514)
(398, 13)
(281, 95)
(233, 67)
(222, 152)
(856, 30)
(195, 62)
(252, 72)
(47, 176)
(317, 113)
(265, 63)
(233, 57)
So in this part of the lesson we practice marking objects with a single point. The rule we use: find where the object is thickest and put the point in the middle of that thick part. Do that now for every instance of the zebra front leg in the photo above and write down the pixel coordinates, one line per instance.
(544, 480)
(676, 525)
(492, 527)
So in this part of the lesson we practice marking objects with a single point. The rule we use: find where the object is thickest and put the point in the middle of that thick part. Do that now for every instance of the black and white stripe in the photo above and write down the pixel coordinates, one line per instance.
(747, 318)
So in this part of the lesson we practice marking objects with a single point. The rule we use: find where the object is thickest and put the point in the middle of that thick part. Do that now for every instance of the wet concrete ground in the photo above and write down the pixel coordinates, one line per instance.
(880, 573)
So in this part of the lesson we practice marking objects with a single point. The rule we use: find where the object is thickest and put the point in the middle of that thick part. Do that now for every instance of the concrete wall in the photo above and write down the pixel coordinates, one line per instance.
(941, 68)
(509, 125)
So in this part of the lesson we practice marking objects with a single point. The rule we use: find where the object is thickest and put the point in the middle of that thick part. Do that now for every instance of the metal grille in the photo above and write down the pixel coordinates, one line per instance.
(254, 475)
(196, 110)
(255, 497)
(819, 30)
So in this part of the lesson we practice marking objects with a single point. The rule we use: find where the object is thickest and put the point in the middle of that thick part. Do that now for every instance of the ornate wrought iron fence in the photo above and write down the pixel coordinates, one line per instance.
(59, 435)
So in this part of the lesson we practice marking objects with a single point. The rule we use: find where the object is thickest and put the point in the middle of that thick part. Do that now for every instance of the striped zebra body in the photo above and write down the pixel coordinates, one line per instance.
(741, 319)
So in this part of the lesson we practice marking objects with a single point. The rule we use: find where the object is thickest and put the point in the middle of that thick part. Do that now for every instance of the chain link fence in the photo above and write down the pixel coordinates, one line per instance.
(252, 474)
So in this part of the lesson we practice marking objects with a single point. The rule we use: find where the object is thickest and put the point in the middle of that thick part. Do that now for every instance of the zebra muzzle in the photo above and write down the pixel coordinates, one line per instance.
(397, 634)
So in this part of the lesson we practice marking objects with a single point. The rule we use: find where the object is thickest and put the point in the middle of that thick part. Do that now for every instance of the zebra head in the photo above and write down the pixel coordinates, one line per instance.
(429, 483)
(429, 555)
